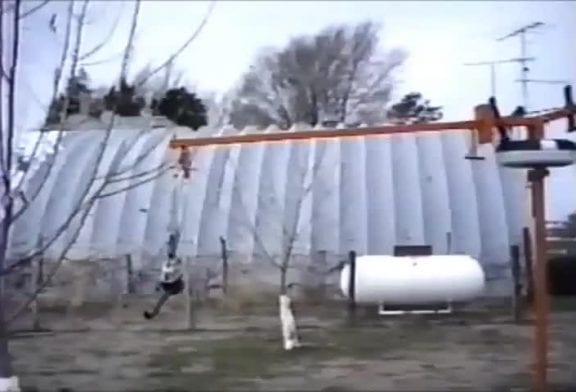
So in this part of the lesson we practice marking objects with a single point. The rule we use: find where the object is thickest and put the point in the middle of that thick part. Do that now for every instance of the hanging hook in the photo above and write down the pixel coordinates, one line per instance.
(504, 137)
(185, 161)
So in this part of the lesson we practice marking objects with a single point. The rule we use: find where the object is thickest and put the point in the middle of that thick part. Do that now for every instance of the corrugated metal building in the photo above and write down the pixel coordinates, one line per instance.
(313, 197)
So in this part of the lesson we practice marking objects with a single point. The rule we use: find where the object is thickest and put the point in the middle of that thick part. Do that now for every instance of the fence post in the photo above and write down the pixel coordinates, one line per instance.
(517, 290)
(35, 266)
(449, 243)
(224, 251)
(528, 271)
(189, 321)
(129, 275)
(352, 287)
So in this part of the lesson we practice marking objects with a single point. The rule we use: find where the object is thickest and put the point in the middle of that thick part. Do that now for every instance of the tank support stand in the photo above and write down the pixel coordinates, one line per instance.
(446, 309)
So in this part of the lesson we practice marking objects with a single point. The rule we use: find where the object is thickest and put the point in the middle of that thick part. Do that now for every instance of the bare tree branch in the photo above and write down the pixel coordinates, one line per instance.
(187, 43)
(157, 173)
(34, 9)
(104, 41)
(7, 158)
(84, 202)
(3, 76)
(50, 275)
(290, 234)
(144, 173)
(57, 81)
(129, 44)
(108, 59)
(315, 78)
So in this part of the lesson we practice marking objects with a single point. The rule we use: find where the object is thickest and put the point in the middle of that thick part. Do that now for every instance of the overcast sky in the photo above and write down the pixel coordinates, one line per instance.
(439, 37)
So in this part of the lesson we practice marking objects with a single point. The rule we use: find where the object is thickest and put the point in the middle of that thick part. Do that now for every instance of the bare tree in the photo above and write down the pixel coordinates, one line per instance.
(340, 75)
(218, 109)
(289, 206)
(102, 182)
(156, 85)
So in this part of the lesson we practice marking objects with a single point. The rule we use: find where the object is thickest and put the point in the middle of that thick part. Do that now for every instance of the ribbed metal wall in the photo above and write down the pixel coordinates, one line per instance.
(365, 194)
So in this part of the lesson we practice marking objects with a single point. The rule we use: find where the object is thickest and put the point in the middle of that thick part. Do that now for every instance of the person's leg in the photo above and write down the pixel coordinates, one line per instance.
(163, 298)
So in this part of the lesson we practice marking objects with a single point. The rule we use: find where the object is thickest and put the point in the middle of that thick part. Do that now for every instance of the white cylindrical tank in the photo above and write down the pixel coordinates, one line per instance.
(418, 280)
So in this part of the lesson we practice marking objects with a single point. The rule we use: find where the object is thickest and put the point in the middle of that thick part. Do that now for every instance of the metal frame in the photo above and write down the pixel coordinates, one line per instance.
(383, 312)
(483, 128)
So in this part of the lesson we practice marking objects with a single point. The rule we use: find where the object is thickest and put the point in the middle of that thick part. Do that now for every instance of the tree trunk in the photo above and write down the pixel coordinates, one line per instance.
(283, 280)
(8, 381)
(288, 322)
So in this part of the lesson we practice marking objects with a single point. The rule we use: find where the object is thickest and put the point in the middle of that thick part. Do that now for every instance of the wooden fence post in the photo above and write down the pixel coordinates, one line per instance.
(224, 251)
(352, 287)
(129, 275)
(528, 270)
(189, 321)
(517, 289)
(35, 282)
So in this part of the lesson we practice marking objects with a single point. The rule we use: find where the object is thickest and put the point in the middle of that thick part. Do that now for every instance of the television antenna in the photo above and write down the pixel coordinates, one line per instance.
(493, 64)
(524, 70)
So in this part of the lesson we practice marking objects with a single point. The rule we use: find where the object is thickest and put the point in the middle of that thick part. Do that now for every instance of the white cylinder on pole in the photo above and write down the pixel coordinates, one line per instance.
(417, 280)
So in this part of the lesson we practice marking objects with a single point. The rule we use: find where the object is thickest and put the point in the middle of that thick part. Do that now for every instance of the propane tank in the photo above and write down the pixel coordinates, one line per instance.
(410, 280)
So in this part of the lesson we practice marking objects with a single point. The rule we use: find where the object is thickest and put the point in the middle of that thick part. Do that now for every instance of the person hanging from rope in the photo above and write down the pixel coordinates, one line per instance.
(171, 280)
(185, 161)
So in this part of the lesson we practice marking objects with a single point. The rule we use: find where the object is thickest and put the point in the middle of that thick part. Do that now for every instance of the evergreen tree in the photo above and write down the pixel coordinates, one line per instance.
(183, 108)
(414, 109)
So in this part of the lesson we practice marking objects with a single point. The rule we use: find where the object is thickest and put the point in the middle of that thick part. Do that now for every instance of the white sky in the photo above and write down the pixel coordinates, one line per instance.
(439, 37)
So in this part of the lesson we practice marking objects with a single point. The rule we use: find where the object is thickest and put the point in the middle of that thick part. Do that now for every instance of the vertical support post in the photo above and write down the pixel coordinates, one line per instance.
(517, 290)
(35, 266)
(484, 117)
(189, 322)
(352, 286)
(541, 296)
(449, 243)
(224, 252)
(528, 264)
(129, 275)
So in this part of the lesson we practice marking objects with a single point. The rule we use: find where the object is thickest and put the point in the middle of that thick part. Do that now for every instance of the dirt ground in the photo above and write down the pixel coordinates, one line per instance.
(92, 349)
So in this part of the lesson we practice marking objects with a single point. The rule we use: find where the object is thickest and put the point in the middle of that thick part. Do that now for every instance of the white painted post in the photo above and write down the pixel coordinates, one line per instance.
(288, 322)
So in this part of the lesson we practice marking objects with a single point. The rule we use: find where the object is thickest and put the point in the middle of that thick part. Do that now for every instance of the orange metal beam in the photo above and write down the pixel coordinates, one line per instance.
(262, 137)
(320, 134)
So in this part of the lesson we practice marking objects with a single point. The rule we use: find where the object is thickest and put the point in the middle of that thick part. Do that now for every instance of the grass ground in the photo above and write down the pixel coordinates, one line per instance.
(88, 351)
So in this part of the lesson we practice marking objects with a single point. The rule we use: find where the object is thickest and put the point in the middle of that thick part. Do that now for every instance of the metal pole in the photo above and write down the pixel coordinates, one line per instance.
(352, 287)
(541, 297)
(524, 70)
(493, 79)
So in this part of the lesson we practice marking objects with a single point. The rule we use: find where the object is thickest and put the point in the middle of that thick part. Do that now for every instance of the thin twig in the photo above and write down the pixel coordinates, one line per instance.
(83, 203)
(34, 9)
(129, 44)
(161, 172)
(105, 40)
(57, 80)
(194, 35)
(106, 60)
(162, 166)
(2, 76)
(12, 100)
